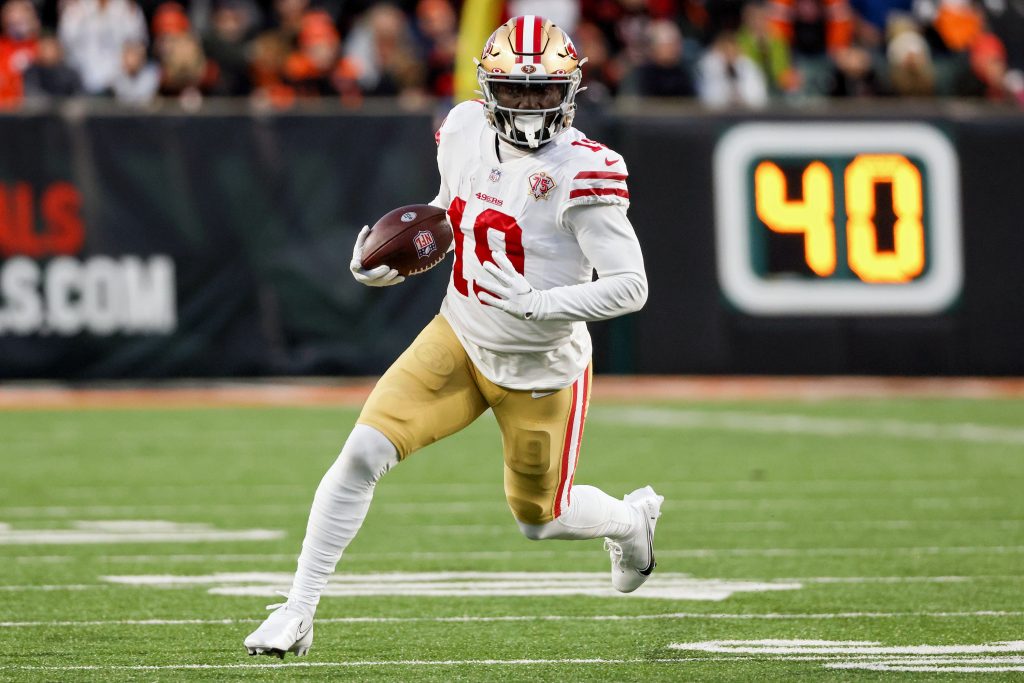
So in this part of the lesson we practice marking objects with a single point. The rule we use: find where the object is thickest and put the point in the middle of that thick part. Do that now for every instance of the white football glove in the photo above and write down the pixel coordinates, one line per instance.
(514, 294)
(381, 276)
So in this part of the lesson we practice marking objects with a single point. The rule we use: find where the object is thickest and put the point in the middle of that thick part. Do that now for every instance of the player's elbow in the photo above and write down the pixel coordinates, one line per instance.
(636, 291)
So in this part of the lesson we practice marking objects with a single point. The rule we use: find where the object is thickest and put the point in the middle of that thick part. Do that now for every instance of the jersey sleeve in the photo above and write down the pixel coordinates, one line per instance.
(609, 242)
(447, 137)
(595, 178)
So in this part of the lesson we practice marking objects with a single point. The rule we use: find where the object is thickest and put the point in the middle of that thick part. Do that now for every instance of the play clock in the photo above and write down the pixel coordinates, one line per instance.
(837, 219)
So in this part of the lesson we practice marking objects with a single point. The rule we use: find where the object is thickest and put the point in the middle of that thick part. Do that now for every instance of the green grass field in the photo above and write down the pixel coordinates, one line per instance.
(896, 527)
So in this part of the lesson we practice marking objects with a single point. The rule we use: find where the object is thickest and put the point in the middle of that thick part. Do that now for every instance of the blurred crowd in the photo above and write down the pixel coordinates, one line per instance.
(723, 52)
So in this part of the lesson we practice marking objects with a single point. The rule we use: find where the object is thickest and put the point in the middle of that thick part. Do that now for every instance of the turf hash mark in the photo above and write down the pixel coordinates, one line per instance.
(672, 616)
(462, 584)
(131, 531)
(789, 423)
(874, 656)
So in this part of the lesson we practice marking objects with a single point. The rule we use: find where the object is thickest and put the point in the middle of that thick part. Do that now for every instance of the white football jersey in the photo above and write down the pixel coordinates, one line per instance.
(518, 207)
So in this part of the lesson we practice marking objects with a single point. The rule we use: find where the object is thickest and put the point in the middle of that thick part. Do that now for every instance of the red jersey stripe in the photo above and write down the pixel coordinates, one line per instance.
(605, 175)
(570, 427)
(579, 439)
(599, 191)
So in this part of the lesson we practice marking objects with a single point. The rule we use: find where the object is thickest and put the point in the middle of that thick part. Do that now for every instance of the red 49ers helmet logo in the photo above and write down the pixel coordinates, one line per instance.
(540, 185)
(488, 46)
(571, 49)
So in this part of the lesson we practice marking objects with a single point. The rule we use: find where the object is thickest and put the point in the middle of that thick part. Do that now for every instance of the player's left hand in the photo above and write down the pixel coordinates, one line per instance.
(512, 292)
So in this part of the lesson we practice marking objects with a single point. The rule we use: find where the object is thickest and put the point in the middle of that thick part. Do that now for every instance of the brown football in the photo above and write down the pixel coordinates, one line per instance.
(411, 239)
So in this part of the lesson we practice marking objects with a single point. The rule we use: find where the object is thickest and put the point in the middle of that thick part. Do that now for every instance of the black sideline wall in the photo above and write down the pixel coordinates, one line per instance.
(153, 246)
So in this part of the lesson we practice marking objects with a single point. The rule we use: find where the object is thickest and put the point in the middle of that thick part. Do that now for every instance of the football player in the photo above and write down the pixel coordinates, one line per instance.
(536, 208)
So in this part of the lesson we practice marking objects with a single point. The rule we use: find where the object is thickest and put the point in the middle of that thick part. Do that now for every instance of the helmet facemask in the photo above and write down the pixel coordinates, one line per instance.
(529, 111)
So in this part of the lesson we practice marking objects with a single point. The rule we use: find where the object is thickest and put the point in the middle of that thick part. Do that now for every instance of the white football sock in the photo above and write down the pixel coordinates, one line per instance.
(592, 513)
(339, 508)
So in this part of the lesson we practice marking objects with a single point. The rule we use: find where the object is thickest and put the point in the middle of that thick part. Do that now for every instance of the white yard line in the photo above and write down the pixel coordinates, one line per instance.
(788, 423)
(670, 616)
(843, 552)
(461, 584)
(153, 558)
(457, 555)
(870, 655)
(987, 664)
(344, 665)
(131, 531)
(696, 553)
(53, 587)
(442, 489)
(496, 505)
(841, 647)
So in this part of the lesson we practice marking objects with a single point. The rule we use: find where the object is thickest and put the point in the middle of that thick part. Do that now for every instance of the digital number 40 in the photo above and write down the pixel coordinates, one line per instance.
(813, 215)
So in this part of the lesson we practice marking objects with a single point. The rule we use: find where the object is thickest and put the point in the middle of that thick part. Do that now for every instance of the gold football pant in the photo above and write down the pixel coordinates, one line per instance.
(433, 390)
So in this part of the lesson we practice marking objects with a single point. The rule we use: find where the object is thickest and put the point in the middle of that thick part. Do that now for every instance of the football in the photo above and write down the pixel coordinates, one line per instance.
(411, 239)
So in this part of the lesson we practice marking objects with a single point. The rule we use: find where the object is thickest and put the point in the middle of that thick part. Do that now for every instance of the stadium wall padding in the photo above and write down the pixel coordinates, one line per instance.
(163, 246)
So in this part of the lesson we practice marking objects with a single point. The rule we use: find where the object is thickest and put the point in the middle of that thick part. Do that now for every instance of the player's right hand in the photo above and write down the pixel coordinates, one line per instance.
(381, 276)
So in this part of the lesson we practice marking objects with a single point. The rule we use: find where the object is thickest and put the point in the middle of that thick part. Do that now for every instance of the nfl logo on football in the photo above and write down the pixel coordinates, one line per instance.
(425, 245)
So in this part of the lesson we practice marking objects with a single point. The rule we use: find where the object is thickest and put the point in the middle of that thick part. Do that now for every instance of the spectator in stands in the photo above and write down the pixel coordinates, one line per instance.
(911, 71)
(438, 27)
(728, 78)
(268, 53)
(381, 47)
(49, 75)
(631, 32)
(226, 45)
(169, 20)
(989, 77)
(94, 33)
(951, 25)
(663, 73)
(722, 15)
(603, 74)
(855, 74)
(1006, 20)
(184, 70)
(139, 80)
(760, 42)
(185, 73)
(872, 19)
(310, 69)
(18, 45)
(815, 29)
(288, 15)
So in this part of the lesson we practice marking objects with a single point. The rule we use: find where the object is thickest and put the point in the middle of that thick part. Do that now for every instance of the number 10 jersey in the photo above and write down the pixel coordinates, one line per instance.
(520, 207)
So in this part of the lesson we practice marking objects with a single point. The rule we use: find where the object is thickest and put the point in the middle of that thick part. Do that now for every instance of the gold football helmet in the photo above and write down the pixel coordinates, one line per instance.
(529, 74)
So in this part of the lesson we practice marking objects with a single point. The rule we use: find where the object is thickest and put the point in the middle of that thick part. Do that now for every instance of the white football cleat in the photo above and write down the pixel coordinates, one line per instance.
(287, 629)
(633, 559)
